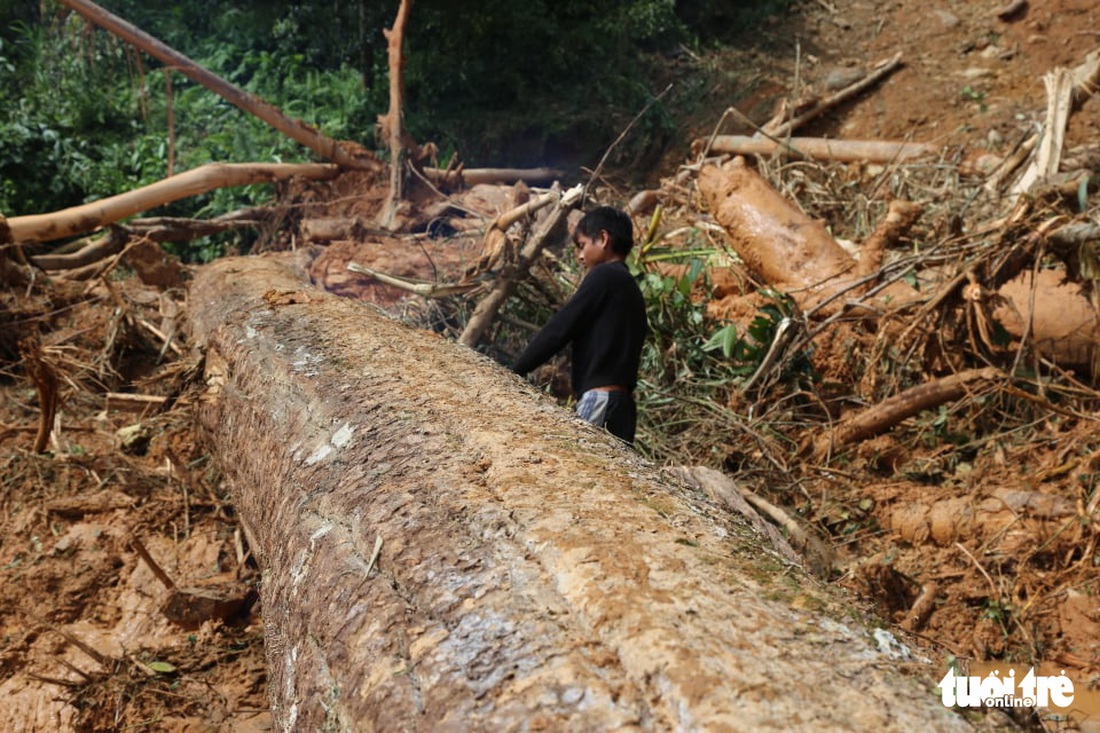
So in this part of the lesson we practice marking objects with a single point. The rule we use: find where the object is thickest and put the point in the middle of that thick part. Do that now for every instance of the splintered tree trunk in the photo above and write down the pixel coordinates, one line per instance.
(395, 43)
(534, 574)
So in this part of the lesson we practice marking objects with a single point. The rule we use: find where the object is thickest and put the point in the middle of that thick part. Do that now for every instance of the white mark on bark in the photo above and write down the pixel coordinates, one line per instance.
(342, 437)
(289, 667)
(301, 566)
(320, 454)
(304, 362)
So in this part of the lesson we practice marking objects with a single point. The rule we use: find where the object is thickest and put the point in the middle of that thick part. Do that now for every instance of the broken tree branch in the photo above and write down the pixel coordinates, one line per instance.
(45, 380)
(505, 285)
(420, 287)
(724, 490)
(1066, 90)
(877, 74)
(900, 218)
(93, 251)
(67, 222)
(891, 411)
(495, 245)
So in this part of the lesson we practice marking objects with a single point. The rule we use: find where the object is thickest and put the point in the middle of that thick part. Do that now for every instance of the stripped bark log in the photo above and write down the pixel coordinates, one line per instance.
(296, 130)
(534, 572)
(78, 219)
(843, 151)
(891, 411)
(781, 244)
(796, 255)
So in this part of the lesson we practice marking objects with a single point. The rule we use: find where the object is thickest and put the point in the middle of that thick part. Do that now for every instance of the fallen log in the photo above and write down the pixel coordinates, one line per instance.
(476, 176)
(444, 550)
(819, 148)
(891, 411)
(84, 218)
(781, 244)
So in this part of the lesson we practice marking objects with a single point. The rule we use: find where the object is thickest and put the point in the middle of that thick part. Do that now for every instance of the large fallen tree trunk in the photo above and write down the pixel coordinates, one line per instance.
(533, 573)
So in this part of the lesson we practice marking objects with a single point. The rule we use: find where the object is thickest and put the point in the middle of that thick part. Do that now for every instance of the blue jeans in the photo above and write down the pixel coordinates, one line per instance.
(614, 411)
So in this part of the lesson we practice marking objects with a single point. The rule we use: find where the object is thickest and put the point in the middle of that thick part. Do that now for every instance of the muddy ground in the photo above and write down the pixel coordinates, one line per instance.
(88, 643)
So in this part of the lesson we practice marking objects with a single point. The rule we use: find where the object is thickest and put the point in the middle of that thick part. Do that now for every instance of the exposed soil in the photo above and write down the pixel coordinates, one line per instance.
(997, 528)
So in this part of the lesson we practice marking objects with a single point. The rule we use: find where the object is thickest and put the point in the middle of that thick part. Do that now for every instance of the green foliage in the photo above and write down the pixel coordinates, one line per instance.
(678, 325)
(83, 116)
(749, 351)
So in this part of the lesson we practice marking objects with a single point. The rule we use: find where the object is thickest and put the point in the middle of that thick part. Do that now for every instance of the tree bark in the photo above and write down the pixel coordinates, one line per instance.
(296, 130)
(78, 219)
(533, 574)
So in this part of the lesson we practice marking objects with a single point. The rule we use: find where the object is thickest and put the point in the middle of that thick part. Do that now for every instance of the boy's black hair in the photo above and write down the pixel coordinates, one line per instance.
(617, 224)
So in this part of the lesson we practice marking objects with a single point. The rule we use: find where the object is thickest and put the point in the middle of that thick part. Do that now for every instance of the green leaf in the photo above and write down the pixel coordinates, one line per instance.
(162, 667)
(724, 338)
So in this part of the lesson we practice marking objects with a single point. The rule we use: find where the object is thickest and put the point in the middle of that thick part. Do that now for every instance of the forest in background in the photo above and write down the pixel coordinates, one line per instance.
(83, 116)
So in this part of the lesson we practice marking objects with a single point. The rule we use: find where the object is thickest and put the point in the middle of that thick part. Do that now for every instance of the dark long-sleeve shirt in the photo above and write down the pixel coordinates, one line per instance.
(605, 322)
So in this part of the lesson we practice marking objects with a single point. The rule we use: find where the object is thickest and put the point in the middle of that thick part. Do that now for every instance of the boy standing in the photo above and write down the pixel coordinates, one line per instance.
(605, 322)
